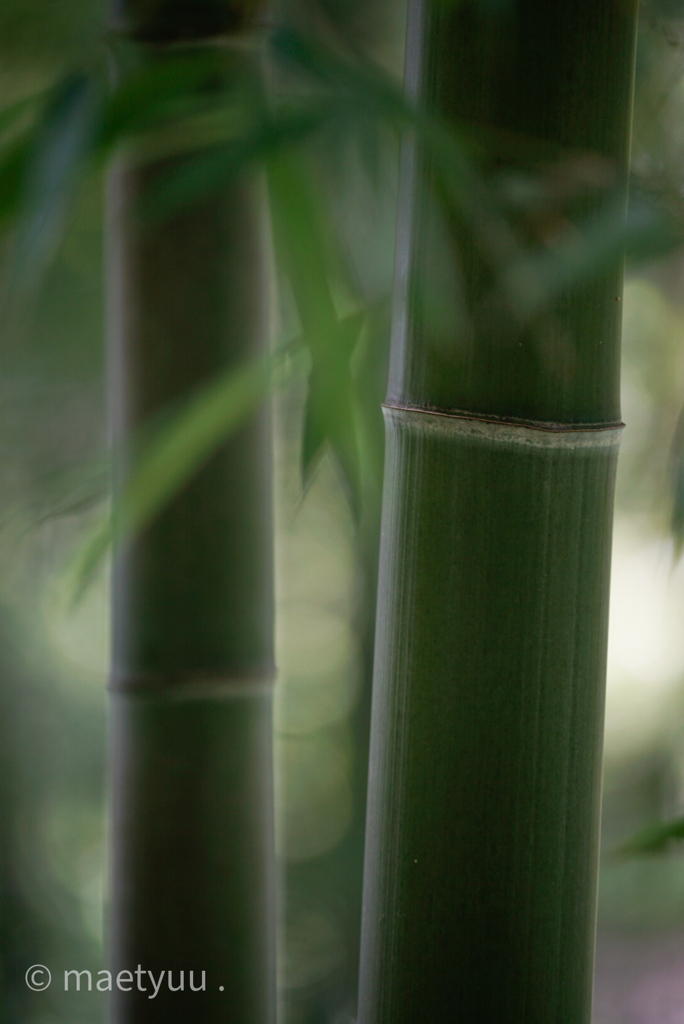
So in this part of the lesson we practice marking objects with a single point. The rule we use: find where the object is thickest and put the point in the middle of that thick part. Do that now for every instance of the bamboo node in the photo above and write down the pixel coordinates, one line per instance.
(507, 431)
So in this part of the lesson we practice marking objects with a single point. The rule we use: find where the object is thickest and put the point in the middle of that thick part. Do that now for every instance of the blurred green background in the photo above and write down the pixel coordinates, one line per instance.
(53, 660)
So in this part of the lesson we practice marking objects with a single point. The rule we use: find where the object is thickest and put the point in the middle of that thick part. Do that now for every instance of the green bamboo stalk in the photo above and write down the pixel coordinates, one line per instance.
(484, 792)
(191, 707)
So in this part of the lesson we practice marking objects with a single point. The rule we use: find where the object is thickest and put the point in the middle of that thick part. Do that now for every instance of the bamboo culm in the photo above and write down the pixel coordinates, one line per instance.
(192, 875)
(484, 789)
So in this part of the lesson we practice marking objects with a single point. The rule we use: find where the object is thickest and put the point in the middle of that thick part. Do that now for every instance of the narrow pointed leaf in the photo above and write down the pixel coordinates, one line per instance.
(13, 164)
(300, 242)
(178, 449)
(654, 839)
(208, 170)
(313, 440)
(317, 412)
(15, 113)
(164, 90)
(52, 169)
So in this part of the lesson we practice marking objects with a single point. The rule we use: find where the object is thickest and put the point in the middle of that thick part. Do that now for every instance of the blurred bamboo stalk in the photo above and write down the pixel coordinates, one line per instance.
(192, 675)
(484, 793)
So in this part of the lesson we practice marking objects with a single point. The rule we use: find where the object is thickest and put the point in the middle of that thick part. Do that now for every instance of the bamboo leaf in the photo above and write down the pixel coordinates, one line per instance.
(166, 89)
(15, 144)
(69, 491)
(313, 439)
(372, 90)
(533, 283)
(176, 451)
(300, 243)
(369, 368)
(64, 492)
(653, 839)
(13, 165)
(651, 233)
(16, 113)
(43, 174)
(346, 74)
(532, 279)
(320, 415)
(206, 171)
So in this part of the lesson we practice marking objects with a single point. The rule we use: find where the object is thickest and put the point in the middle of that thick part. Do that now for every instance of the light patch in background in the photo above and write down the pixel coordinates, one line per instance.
(314, 562)
(646, 642)
(73, 834)
(79, 633)
(316, 798)
(319, 670)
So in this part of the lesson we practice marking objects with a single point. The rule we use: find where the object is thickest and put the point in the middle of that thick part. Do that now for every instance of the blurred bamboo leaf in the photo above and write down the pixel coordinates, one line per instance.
(652, 232)
(317, 428)
(177, 449)
(166, 90)
(348, 75)
(13, 164)
(42, 175)
(530, 278)
(79, 127)
(534, 282)
(16, 113)
(300, 243)
(207, 170)
(654, 839)
(369, 89)
(218, 122)
(69, 491)
(370, 367)
(15, 145)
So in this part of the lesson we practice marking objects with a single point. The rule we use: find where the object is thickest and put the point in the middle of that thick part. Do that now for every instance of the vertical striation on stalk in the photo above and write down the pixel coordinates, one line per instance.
(484, 790)
(191, 703)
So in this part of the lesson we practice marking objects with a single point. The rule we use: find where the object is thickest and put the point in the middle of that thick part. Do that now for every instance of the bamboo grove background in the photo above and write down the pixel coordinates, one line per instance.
(53, 659)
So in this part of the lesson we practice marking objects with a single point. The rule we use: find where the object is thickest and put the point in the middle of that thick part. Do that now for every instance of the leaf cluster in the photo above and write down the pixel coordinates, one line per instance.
(211, 113)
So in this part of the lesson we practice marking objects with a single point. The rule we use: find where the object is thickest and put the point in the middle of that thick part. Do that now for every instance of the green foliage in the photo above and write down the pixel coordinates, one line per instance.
(53, 166)
(176, 449)
(48, 38)
(654, 839)
(196, 106)
(202, 108)
(300, 243)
